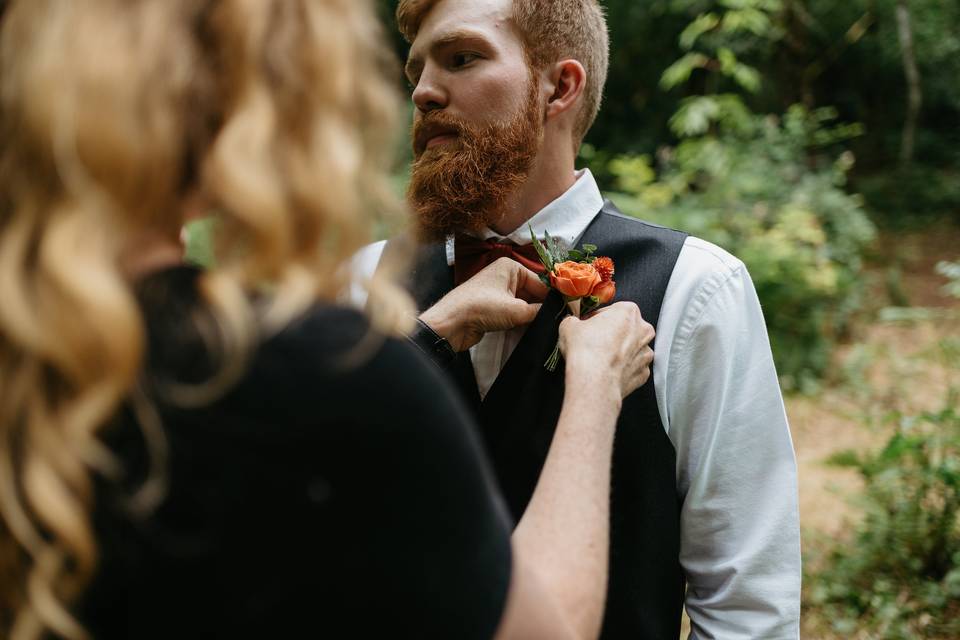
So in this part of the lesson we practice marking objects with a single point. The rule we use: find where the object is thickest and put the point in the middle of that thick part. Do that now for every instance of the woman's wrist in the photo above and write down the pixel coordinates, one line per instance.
(444, 325)
(454, 322)
(601, 385)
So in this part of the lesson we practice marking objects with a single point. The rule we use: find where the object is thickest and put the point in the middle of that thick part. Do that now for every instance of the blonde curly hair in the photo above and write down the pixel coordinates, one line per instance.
(113, 112)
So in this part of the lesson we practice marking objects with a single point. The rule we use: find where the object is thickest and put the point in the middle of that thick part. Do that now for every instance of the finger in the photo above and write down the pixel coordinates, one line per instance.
(567, 324)
(648, 355)
(526, 312)
(513, 313)
(529, 286)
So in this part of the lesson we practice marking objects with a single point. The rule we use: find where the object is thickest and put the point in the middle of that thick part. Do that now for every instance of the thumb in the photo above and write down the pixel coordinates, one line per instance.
(567, 323)
(566, 327)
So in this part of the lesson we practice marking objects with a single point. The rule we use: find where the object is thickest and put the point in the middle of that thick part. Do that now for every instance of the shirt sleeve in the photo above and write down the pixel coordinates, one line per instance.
(363, 265)
(740, 538)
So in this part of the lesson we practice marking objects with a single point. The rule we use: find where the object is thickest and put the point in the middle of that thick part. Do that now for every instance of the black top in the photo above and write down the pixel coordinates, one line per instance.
(318, 498)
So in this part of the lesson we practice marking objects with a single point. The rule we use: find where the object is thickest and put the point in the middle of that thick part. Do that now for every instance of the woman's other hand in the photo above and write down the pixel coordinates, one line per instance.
(612, 344)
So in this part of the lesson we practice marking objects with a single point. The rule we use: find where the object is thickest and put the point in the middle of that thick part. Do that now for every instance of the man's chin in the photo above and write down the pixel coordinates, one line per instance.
(439, 152)
(436, 222)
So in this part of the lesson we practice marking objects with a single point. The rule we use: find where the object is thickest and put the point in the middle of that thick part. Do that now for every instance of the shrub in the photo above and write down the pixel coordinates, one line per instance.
(756, 186)
(899, 576)
(910, 197)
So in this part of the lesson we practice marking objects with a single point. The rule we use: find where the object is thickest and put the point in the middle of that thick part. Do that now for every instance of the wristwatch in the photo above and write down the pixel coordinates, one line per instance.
(433, 345)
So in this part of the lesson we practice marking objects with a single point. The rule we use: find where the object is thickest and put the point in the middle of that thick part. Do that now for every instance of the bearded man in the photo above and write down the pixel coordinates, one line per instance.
(704, 498)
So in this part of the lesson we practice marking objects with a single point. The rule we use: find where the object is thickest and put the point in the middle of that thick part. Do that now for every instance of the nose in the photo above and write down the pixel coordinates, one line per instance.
(429, 94)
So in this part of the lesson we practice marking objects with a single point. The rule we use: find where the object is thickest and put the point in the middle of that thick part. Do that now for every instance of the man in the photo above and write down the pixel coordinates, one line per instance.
(704, 505)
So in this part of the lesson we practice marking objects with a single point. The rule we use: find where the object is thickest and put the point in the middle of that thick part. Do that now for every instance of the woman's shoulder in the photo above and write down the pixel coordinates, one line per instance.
(329, 356)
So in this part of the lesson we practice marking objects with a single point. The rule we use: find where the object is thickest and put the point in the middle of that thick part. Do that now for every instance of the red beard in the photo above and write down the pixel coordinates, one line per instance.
(462, 185)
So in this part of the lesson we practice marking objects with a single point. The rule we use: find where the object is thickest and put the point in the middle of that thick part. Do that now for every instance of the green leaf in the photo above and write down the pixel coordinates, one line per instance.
(545, 257)
(751, 20)
(588, 304)
(558, 252)
(679, 72)
(728, 60)
(576, 255)
(589, 248)
(694, 116)
(747, 77)
(844, 458)
(705, 22)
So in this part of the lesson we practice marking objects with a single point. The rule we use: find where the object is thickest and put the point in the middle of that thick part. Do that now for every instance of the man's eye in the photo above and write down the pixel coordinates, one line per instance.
(463, 59)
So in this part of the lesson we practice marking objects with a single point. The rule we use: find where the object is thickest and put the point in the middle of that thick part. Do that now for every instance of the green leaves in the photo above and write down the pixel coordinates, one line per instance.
(558, 251)
(588, 304)
(896, 576)
(551, 250)
(746, 183)
(748, 19)
(950, 270)
(542, 251)
(745, 76)
(720, 38)
(679, 72)
(705, 22)
(698, 113)
(695, 116)
(582, 254)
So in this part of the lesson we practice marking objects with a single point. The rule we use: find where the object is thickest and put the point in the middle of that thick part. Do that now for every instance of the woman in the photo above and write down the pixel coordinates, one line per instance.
(222, 454)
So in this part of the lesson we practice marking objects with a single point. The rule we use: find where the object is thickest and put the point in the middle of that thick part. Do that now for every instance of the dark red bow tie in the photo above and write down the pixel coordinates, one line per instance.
(472, 255)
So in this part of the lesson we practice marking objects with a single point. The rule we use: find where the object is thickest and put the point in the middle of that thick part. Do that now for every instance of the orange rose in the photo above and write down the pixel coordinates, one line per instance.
(605, 290)
(574, 279)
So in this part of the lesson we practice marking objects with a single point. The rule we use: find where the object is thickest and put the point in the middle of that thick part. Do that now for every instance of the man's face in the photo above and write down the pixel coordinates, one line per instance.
(478, 124)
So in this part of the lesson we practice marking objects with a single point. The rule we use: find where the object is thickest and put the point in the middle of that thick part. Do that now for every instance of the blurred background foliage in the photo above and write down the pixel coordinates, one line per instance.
(819, 141)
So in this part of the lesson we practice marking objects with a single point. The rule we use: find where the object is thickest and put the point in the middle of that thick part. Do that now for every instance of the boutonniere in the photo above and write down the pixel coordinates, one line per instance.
(584, 280)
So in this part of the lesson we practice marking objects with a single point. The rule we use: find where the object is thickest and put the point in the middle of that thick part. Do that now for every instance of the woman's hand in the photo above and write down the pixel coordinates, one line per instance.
(612, 344)
(502, 296)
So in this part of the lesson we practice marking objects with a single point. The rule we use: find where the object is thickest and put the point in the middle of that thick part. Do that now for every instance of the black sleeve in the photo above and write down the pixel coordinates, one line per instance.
(420, 518)
(432, 345)
(451, 530)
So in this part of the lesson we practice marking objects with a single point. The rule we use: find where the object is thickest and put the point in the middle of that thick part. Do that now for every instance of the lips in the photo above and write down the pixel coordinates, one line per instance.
(432, 134)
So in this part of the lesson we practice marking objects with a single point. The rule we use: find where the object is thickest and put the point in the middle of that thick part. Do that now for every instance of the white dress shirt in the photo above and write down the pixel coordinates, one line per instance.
(721, 406)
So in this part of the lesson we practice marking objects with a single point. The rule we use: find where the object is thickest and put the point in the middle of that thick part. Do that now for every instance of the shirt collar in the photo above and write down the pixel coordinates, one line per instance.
(565, 218)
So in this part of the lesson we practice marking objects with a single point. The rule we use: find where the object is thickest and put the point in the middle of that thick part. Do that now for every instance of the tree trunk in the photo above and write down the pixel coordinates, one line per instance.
(914, 96)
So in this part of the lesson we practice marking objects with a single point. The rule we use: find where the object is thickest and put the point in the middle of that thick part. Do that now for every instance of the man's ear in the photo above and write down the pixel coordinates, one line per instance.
(568, 79)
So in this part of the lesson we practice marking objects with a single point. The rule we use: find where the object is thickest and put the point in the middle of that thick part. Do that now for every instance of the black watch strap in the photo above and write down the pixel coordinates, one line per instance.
(433, 345)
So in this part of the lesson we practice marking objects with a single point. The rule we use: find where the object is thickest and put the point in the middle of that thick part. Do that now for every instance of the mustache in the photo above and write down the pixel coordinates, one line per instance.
(432, 124)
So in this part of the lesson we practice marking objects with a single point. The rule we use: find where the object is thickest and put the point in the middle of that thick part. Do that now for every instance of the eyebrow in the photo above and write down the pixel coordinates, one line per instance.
(415, 64)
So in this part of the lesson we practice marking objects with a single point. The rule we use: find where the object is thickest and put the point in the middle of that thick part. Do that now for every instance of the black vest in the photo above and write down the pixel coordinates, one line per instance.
(520, 412)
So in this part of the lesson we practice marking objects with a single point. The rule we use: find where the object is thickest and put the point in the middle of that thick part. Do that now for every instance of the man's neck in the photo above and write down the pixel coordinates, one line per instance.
(552, 175)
